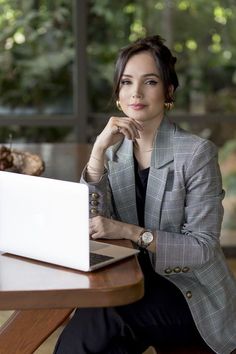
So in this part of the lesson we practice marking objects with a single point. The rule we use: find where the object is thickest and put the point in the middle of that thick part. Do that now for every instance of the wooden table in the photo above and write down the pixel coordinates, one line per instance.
(44, 295)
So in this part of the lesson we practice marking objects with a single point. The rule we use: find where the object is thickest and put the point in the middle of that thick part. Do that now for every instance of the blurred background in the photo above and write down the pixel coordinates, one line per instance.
(57, 60)
(56, 71)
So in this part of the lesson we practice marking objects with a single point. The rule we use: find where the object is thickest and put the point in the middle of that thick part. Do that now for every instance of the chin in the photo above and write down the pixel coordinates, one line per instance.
(138, 115)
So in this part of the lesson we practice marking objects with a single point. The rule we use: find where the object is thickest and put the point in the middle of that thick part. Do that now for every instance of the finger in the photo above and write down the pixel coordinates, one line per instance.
(94, 236)
(137, 124)
(126, 126)
(92, 231)
(129, 130)
(92, 228)
(119, 120)
(116, 129)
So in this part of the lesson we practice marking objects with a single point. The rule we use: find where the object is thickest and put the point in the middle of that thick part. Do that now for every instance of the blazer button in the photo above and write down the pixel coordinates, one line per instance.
(94, 202)
(93, 211)
(189, 294)
(185, 269)
(168, 270)
(94, 196)
(177, 269)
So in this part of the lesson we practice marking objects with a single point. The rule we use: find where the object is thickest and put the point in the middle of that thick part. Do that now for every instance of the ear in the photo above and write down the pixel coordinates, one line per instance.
(171, 90)
(170, 94)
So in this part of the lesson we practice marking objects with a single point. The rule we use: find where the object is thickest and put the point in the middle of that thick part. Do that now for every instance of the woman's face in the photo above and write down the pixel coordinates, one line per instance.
(141, 92)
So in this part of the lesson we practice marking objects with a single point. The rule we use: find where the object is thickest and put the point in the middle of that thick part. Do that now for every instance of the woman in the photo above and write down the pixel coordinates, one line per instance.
(159, 187)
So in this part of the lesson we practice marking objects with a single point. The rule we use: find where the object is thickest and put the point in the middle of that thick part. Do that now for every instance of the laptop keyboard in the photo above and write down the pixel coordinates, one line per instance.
(98, 258)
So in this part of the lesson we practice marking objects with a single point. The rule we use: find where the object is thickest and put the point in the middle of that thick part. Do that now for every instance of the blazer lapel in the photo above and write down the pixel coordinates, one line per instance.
(162, 156)
(122, 180)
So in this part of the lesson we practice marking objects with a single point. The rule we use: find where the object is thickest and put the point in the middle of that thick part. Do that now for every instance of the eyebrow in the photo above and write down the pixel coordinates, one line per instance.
(145, 75)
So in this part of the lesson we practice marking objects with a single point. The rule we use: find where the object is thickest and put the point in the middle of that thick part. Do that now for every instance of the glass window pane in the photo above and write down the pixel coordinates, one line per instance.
(36, 56)
(202, 35)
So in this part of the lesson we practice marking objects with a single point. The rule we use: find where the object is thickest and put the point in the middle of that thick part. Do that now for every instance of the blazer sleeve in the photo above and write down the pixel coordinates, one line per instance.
(198, 239)
(100, 196)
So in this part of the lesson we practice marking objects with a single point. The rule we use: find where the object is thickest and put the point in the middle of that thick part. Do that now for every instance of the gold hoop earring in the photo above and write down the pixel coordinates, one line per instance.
(169, 105)
(118, 105)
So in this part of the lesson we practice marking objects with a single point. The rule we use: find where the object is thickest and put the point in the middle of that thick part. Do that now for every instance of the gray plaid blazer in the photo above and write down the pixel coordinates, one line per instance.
(184, 205)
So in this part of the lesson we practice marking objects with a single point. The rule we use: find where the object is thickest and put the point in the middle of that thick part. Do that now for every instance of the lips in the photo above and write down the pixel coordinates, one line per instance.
(137, 106)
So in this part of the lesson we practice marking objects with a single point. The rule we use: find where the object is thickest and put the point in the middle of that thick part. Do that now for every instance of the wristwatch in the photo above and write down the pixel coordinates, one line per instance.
(145, 238)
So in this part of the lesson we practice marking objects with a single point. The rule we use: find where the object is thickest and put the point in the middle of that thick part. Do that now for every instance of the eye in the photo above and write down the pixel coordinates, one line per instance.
(125, 82)
(151, 82)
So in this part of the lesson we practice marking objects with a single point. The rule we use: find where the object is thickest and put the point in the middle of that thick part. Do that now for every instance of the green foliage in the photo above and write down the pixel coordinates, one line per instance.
(202, 34)
(33, 134)
(229, 221)
(37, 50)
(36, 53)
(230, 182)
(228, 149)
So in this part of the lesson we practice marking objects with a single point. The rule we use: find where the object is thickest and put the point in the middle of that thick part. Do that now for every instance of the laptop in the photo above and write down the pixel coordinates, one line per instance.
(48, 220)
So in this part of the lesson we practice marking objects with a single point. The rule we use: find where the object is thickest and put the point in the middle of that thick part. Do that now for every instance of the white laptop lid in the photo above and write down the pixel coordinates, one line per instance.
(44, 219)
(48, 220)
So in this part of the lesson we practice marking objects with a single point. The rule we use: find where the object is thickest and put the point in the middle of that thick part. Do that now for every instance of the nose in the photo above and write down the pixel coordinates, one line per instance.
(137, 95)
(137, 90)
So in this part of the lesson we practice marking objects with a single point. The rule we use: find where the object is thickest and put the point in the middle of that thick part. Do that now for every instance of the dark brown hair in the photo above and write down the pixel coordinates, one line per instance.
(162, 56)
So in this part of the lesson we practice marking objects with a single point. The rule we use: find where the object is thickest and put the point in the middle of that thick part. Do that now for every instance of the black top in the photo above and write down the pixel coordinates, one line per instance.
(141, 178)
(156, 282)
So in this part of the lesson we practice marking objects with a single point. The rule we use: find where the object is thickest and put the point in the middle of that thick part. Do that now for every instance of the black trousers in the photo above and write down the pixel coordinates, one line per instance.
(161, 319)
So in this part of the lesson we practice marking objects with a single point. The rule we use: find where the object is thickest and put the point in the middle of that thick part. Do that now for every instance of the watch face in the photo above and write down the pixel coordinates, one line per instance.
(147, 237)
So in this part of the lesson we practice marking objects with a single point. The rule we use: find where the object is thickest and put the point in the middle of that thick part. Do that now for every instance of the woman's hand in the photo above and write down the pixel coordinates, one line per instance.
(116, 129)
(101, 227)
